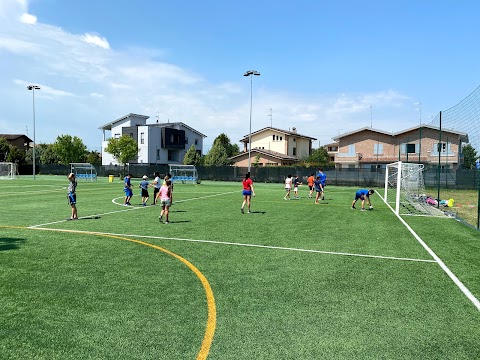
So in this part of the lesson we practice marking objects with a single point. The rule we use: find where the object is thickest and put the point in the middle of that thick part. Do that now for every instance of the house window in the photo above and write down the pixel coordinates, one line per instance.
(196, 141)
(158, 154)
(186, 140)
(294, 139)
(377, 149)
(273, 137)
(409, 148)
(444, 148)
(142, 138)
(294, 151)
(351, 150)
(280, 138)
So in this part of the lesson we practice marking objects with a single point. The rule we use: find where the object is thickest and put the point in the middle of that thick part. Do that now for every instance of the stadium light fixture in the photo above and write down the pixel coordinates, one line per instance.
(33, 88)
(250, 73)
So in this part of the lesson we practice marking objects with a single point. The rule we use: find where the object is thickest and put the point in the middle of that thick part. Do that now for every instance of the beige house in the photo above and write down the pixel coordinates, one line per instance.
(368, 147)
(272, 147)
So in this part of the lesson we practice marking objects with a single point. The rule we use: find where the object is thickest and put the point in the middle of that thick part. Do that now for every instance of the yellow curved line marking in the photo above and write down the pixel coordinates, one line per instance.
(212, 311)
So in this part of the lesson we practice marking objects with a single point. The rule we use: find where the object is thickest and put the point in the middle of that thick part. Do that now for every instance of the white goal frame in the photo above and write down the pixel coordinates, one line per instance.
(8, 170)
(405, 190)
(84, 171)
(184, 173)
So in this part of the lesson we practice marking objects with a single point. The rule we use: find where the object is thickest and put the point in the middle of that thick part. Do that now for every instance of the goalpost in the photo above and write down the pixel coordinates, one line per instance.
(84, 171)
(8, 171)
(184, 173)
(405, 190)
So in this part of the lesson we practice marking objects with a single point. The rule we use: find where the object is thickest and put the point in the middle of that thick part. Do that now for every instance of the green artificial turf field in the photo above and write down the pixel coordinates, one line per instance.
(291, 280)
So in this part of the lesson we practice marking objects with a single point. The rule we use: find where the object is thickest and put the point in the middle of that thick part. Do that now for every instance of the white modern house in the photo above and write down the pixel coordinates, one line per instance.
(158, 143)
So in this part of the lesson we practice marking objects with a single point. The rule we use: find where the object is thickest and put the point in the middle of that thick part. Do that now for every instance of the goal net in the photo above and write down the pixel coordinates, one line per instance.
(8, 171)
(184, 173)
(85, 171)
(405, 190)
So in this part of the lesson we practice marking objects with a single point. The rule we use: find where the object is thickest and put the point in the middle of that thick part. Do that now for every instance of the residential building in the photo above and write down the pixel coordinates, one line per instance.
(20, 141)
(332, 149)
(368, 147)
(271, 147)
(158, 143)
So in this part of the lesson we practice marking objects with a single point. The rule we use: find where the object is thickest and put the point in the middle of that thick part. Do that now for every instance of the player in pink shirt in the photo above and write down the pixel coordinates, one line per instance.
(165, 194)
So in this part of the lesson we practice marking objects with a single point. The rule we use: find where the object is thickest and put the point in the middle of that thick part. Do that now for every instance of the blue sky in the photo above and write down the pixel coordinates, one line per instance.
(322, 64)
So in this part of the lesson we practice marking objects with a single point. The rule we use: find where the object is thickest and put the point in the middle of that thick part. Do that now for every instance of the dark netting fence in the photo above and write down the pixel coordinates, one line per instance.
(463, 117)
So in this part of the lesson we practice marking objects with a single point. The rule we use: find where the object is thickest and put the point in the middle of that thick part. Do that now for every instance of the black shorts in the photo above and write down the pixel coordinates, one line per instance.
(144, 193)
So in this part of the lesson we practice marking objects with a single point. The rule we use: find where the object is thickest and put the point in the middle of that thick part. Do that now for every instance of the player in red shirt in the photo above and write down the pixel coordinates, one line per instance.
(247, 191)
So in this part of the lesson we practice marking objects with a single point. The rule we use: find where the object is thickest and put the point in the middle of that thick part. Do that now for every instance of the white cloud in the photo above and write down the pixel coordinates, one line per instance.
(28, 19)
(96, 40)
(74, 76)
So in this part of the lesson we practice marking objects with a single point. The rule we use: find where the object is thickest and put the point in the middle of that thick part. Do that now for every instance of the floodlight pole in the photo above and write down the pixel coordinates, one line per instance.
(250, 73)
(420, 135)
(33, 88)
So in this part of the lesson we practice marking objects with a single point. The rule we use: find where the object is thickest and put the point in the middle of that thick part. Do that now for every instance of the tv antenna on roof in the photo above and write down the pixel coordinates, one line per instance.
(271, 117)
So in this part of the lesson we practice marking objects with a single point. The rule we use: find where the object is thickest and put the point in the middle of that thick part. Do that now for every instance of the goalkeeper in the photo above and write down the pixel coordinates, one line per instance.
(363, 194)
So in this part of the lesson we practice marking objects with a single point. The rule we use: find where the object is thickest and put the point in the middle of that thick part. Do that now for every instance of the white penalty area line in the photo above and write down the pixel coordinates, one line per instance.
(130, 208)
(240, 244)
(439, 261)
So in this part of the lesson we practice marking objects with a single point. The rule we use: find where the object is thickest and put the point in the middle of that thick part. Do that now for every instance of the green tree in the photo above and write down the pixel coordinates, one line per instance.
(122, 149)
(94, 158)
(15, 155)
(191, 156)
(256, 161)
(224, 140)
(4, 149)
(469, 156)
(216, 156)
(319, 156)
(70, 149)
(45, 154)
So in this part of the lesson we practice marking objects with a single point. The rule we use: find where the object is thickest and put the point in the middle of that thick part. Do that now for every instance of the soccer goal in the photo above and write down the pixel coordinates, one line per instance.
(184, 173)
(405, 190)
(85, 171)
(8, 171)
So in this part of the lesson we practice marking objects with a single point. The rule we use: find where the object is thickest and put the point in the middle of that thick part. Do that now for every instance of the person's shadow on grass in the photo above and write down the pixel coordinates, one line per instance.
(10, 243)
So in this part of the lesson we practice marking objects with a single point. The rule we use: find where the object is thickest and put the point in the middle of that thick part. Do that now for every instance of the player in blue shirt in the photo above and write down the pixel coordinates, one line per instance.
(296, 182)
(128, 190)
(144, 185)
(317, 184)
(323, 180)
(363, 194)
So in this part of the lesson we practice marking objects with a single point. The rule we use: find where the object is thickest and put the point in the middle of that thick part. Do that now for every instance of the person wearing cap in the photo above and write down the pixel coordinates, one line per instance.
(144, 184)
(72, 196)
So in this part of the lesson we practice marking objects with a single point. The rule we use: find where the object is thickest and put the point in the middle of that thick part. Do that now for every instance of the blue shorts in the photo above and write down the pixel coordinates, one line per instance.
(360, 196)
(247, 193)
(72, 199)
(128, 192)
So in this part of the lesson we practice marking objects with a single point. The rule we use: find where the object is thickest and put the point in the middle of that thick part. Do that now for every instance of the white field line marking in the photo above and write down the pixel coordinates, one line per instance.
(439, 261)
(241, 244)
(63, 188)
(180, 201)
(129, 208)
